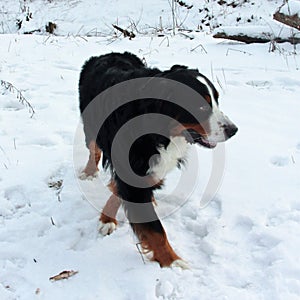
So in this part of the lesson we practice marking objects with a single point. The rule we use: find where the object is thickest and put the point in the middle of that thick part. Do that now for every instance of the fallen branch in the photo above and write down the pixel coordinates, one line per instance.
(125, 32)
(289, 20)
(252, 39)
(32, 31)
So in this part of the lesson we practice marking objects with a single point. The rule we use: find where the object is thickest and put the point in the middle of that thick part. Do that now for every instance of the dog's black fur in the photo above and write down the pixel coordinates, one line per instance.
(100, 73)
(103, 72)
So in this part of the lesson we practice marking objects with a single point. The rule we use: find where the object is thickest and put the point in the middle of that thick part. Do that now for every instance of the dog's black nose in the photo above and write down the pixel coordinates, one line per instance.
(230, 130)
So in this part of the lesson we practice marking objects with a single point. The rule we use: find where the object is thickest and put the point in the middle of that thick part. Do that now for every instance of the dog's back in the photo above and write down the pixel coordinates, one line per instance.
(102, 72)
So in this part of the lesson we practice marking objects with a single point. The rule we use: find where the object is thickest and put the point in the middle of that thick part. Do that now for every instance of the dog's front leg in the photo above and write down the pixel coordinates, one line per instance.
(151, 234)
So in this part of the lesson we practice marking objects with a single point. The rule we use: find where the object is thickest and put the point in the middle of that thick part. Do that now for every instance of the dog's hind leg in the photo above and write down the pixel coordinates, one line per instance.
(91, 168)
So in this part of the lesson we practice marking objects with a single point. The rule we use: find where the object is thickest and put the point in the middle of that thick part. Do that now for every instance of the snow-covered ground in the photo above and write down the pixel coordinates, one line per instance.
(243, 245)
(95, 18)
(291, 7)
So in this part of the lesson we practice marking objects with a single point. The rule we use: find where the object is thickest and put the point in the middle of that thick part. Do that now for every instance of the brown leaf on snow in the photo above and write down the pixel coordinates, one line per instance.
(63, 275)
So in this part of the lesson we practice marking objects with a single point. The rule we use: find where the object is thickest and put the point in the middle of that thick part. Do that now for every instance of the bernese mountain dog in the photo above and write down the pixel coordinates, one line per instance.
(152, 154)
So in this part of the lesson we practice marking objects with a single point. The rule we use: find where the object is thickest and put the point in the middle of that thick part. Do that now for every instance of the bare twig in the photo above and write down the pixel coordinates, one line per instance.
(219, 83)
(5, 154)
(134, 24)
(173, 16)
(223, 72)
(165, 38)
(200, 45)
(244, 52)
(11, 88)
(212, 71)
(137, 246)
(186, 36)
(125, 32)
(52, 221)
(293, 159)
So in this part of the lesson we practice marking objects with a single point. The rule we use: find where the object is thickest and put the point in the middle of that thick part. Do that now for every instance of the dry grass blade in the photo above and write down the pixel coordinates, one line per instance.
(63, 275)
(57, 185)
(11, 88)
(138, 245)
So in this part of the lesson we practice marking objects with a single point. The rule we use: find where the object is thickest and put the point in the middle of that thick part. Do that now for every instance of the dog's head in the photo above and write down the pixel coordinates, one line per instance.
(213, 126)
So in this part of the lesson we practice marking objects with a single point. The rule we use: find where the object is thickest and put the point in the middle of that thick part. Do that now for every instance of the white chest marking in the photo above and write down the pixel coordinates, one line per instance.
(168, 158)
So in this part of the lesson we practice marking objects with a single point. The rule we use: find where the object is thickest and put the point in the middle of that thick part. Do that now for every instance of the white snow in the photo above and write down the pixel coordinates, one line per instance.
(292, 7)
(243, 245)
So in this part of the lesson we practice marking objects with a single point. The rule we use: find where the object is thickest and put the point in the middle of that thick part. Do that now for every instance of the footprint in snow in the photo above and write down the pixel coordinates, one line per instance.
(17, 197)
(167, 286)
(262, 237)
(12, 105)
(243, 224)
(262, 84)
(280, 161)
(66, 136)
(64, 93)
(214, 207)
(285, 160)
(164, 289)
(64, 66)
(49, 141)
(284, 215)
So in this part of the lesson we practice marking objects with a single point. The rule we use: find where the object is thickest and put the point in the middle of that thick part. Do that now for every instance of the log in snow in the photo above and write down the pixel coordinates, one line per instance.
(289, 14)
(255, 34)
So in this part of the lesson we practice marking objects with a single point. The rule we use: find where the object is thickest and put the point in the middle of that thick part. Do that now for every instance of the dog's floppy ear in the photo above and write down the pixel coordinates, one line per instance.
(178, 67)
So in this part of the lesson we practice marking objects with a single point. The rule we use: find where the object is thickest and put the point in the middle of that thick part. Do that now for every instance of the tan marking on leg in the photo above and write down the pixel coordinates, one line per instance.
(154, 201)
(94, 158)
(113, 187)
(110, 210)
(157, 243)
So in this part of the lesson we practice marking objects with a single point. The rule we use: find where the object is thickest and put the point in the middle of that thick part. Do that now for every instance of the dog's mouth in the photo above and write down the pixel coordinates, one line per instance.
(193, 137)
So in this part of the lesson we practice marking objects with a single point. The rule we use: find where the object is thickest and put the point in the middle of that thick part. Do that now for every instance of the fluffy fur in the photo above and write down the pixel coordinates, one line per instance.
(151, 154)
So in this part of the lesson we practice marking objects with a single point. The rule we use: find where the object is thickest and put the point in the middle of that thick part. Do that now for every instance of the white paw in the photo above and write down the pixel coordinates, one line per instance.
(84, 176)
(180, 263)
(107, 228)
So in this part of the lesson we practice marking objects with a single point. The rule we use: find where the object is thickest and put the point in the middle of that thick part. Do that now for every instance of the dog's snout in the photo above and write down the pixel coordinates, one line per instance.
(230, 130)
